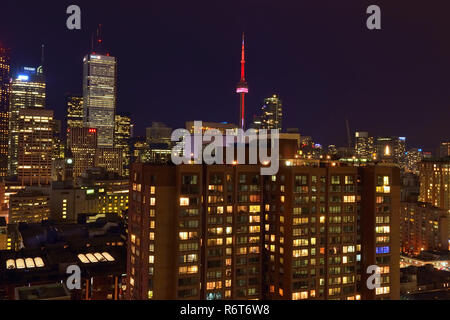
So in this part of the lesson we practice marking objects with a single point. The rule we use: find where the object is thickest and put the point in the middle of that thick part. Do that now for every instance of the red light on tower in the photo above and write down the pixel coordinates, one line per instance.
(242, 87)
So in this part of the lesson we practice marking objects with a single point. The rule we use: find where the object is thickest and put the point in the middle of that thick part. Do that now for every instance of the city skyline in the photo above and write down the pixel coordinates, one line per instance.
(283, 60)
(136, 165)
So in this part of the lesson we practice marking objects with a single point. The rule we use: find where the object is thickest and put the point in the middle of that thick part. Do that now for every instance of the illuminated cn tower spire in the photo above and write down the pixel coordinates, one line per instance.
(242, 88)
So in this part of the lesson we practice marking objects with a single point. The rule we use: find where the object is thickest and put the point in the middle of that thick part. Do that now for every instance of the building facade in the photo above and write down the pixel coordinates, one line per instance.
(35, 146)
(30, 206)
(435, 183)
(82, 143)
(309, 232)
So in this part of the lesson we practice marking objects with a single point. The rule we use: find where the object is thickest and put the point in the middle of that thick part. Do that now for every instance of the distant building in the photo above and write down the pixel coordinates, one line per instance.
(99, 96)
(444, 149)
(122, 140)
(109, 158)
(423, 227)
(222, 127)
(30, 206)
(391, 150)
(435, 182)
(271, 114)
(5, 91)
(75, 111)
(413, 159)
(35, 146)
(27, 91)
(159, 133)
(364, 147)
(82, 144)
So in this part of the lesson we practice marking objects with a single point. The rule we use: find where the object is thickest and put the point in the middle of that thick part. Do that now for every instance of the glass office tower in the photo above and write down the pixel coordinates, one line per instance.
(99, 96)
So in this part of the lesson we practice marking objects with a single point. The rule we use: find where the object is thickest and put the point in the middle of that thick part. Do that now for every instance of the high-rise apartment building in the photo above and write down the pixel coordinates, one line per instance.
(82, 143)
(74, 112)
(122, 140)
(435, 183)
(271, 116)
(4, 108)
(226, 232)
(323, 227)
(27, 91)
(194, 224)
(99, 96)
(35, 146)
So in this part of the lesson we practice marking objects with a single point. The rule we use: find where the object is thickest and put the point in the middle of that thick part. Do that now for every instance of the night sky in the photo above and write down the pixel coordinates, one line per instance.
(179, 60)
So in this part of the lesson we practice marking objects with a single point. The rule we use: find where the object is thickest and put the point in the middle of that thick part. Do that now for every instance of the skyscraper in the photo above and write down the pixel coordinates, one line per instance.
(35, 146)
(242, 88)
(4, 108)
(271, 116)
(99, 94)
(122, 140)
(74, 112)
(27, 91)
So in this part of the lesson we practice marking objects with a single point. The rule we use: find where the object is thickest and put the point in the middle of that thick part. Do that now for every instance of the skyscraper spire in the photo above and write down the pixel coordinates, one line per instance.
(242, 87)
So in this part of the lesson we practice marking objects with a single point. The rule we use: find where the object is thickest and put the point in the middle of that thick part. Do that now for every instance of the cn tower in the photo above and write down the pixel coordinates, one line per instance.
(242, 88)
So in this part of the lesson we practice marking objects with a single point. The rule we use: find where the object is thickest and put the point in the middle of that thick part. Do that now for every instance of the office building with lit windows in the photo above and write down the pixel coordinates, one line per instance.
(27, 91)
(4, 108)
(82, 144)
(35, 146)
(74, 105)
(122, 140)
(99, 96)
(306, 233)
(391, 150)
(111, 159)
(364, 145)
(30, 206)
(413, 158)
